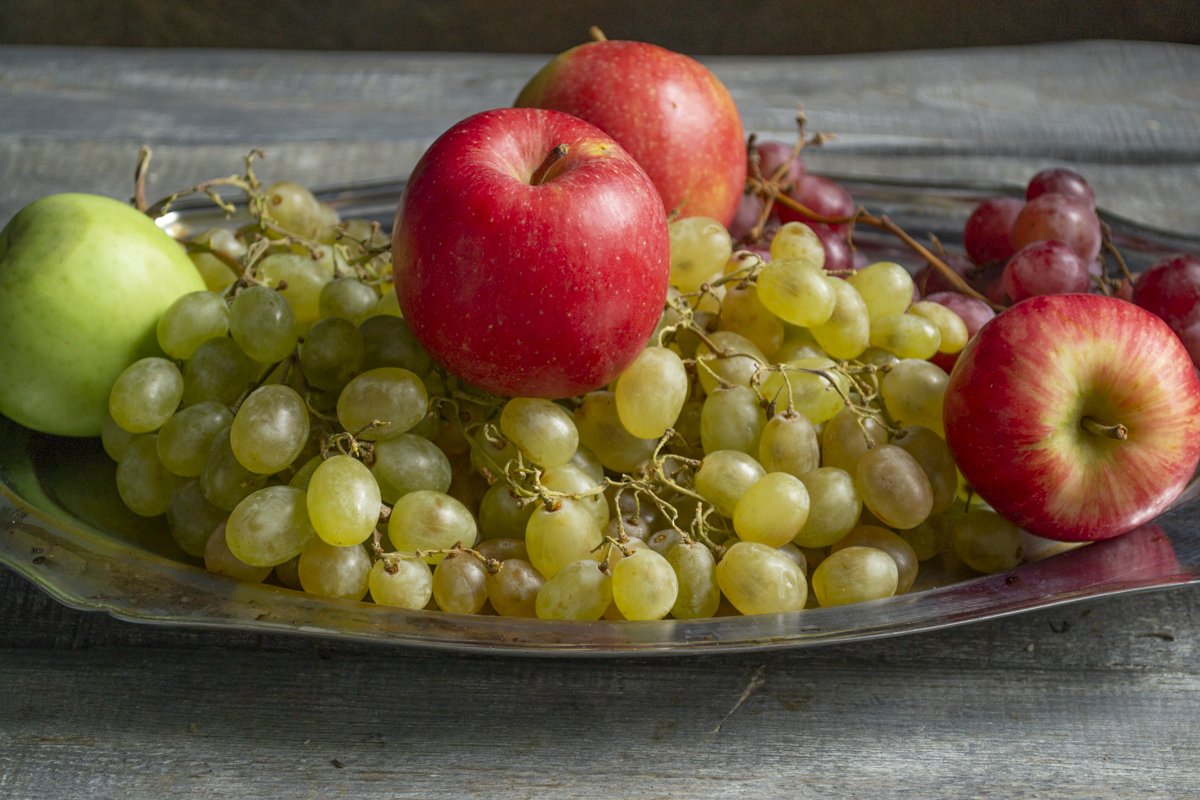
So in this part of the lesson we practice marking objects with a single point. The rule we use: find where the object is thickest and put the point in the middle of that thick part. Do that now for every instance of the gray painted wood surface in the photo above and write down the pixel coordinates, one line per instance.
(1098, 699)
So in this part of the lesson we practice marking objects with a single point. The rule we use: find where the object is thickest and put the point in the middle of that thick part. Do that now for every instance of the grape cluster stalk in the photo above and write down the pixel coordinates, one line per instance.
(777, 445)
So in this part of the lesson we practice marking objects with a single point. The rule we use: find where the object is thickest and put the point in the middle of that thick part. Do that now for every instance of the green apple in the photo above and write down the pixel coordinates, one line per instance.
(83, 281)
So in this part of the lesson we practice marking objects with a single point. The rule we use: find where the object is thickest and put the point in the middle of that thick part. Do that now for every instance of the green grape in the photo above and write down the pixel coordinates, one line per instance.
(145, 395)
(490, 457)
(388, 305)
(191, 321)
(952, 331)
(987, 542)
(889, 542)
(927, 539)
(834, 507)
(542, 430)
(579, 591)
(224, 481)
(662, 541)
(301, 477)
(732, 418)
(744, 313)
(293, 208)
(644, 585)
(270, 526)
(571, 480)
(886, 288)
(855, 575)
(220, 559)
(327, 227)
(114, 438)
(601, 431)
(460, 584)
(651, 392)
(514, 588)
(408, 585)
(758, 579)
(191, 519)
(772, 510)
(218, 371)
(185, 440)
(796, 292)
(913, 392)
(789, 444)
(893, 486)
(625, 527)
(270, 429)
(389, 342)
(330, 571)
(735, 361)
(343, 501)
(847, 436)
(429, 520)
(933, 455)
(586, 460)
(502, 514)
(812, 386)
(299, 279)
(144, 484)
(906, 335)
(877, 356)
(288, 573)
(382, 403)
(331, 354)
(848, 331)
(361, 235)
(502, 548)
(798, 343)
(793, 551)
(348, 298)
(796, 241)
(723, 477)
(408, 462)
(700, 247)
(559, 535)
(217, 274)
(696, 571)
(263, 324)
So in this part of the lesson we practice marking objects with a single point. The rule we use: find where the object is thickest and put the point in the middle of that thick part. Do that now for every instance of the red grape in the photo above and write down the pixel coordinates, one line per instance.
(773, 155)
(1060, 218)
(975, 313)
(929, 280)
(1064, 181)
(987, 234)
(746, 216)
(1171, 289)
(820, 195)
(838, 256)
(1044, 268)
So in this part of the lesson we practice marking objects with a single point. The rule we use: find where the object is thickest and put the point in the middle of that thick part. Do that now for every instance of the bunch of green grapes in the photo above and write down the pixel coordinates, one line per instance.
(781, 431)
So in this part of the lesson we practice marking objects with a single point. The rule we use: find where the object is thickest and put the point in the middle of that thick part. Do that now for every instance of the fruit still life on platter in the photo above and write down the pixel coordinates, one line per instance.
(614, 358)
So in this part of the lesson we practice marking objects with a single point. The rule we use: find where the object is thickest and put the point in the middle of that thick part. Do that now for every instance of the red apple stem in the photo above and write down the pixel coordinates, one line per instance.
(1117, 431)
(597, 34)
(543, 172)
(139, 179)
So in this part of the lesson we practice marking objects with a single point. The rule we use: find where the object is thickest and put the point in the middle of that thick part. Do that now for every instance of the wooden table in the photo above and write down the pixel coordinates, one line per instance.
(1097, 699)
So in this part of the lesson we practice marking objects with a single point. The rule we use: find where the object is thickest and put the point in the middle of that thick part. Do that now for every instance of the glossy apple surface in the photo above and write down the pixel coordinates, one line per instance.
(1032, 405)
(526, 279)
(668, 110)
(83, 281)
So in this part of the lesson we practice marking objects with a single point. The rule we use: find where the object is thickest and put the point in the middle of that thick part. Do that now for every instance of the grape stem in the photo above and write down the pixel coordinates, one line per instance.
(883, 223)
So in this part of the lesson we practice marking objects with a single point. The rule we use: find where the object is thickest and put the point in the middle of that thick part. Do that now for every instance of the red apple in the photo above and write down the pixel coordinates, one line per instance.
(669, 111)
(1075, 416)
(530, 253)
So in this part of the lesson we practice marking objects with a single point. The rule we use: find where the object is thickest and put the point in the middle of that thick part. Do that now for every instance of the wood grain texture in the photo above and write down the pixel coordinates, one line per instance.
(1097, 699)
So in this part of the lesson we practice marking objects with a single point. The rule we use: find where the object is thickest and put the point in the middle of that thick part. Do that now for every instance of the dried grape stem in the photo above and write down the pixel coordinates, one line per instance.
(886, 224)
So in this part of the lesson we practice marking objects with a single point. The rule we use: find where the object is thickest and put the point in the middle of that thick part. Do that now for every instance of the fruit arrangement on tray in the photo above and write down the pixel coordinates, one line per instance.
(615, 360)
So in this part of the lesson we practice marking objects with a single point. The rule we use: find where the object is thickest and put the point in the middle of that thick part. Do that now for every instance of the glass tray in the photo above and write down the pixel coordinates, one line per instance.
(63, 527)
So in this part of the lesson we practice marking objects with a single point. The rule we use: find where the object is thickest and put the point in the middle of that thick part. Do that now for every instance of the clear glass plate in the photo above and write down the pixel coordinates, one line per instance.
(63, 527)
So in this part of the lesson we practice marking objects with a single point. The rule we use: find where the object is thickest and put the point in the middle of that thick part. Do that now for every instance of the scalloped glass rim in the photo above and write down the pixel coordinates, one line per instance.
(62, 527)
